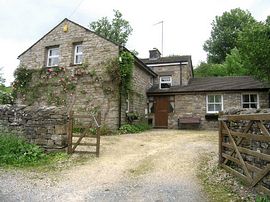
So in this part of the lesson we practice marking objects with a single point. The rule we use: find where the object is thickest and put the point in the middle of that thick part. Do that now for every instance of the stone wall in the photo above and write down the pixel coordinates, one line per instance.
(44, 126)
(95, 48)
(93, 88)
(194, 105)
(262, 147)
(180, 73)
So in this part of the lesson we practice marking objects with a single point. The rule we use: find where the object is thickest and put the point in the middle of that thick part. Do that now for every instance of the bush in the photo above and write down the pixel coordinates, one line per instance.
(16, 151)
(135, 128)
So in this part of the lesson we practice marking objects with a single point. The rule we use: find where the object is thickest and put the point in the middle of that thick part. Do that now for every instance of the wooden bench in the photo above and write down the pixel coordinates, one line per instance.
(189, 122)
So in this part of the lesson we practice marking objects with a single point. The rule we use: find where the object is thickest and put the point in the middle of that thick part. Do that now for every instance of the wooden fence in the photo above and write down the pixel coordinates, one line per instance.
(89, 130)
(244, 148)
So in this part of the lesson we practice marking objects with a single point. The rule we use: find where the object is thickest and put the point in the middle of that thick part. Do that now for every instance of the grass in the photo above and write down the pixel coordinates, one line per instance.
(215, 184)
(142, 168)
(16, 152)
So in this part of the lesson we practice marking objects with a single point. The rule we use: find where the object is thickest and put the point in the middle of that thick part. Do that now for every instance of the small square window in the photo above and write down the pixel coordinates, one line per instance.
(53, 57)
(165, 82)
(250, 101)
(78, 54)
(214, 103)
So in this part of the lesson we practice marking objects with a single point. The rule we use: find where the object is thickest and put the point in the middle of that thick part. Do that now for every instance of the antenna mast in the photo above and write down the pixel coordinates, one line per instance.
(161, 22)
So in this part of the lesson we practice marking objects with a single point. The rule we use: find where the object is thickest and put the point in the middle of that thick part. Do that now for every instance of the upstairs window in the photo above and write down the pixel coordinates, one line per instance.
(165, 82)
(250, 101)
(214, 103)
(53, 57)
(78, 54)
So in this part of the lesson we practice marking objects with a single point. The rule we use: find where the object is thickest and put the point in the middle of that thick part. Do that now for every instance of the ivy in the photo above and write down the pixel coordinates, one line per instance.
(126, 71)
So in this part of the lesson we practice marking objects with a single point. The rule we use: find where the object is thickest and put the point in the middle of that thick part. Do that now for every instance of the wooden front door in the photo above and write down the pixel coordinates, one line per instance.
(161, 112)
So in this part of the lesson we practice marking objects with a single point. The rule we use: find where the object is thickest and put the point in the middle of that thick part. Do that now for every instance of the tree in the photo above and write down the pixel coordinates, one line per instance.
(208, 70)
(5, 92)
(224, 34)
(254, 46)
(118, 30)
(234, 64)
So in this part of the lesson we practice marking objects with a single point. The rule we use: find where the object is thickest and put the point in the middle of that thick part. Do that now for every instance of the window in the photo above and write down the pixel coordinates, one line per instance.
(53, 57)
(250, 101)
(214, 103)
(165, 81)
(78, 54)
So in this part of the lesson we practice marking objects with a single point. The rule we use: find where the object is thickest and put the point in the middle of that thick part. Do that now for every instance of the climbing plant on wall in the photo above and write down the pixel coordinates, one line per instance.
(126, 70)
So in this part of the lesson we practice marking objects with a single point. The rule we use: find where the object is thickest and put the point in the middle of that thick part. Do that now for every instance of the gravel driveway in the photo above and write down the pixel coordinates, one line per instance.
(159, 165)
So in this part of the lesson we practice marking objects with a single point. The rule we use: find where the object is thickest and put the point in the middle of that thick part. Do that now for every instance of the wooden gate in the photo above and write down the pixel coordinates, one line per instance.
(244, 148)
(84, 132)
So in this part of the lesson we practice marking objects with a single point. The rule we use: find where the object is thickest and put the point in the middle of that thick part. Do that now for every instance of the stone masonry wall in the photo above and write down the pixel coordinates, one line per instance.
(94, 90)
(175, 71)
(141, 83)
(194, 105)
(95, 48)
(262, 147)
(44, 126)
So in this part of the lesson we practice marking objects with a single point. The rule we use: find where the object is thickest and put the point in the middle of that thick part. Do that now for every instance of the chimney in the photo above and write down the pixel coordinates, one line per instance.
(154, 54)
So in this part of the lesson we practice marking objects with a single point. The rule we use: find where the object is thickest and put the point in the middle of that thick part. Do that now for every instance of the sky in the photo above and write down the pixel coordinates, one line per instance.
(187, 23)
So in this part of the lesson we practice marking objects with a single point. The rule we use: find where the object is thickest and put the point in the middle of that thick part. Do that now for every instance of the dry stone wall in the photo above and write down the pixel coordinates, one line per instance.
(262, 147)
(44, 126)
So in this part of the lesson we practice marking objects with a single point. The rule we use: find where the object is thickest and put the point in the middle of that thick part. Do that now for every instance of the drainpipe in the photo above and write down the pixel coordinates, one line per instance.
(181, 75)
(120, 105)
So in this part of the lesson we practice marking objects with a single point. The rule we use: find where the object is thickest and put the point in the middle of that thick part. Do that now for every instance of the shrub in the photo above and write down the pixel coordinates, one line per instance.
(135, 128)
(16, 151)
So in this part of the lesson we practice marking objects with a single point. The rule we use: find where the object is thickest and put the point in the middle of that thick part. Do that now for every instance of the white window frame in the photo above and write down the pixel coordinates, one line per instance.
(160, 82)
(52, 57)
(249, 103)
(212, 112)
(76, 53)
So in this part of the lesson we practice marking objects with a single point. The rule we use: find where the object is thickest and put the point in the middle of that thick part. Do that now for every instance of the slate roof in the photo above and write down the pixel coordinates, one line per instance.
(213, 84)
(169, 59)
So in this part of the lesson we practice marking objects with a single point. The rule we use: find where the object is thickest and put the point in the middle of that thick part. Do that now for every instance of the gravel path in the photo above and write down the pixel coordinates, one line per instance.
(155, 166)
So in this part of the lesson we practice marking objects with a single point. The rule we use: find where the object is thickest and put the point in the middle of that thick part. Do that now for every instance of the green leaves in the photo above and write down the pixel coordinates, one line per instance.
(126, 71)
(224, 34)
(254, 46)
(118, 30)
(16, 151)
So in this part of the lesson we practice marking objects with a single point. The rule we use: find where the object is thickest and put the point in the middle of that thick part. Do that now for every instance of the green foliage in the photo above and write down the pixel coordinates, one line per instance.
(207, 70)
(5, 95)
(118, 30)
(134, 128)
(126, 71)
(262, 199)
(16, 151)
(121, 70)
(225, 32)
(254, 46)
(233, 66)
(22, 81)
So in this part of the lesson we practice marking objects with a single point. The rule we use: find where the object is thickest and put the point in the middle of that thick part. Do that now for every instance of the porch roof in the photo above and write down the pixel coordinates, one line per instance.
(213, 84)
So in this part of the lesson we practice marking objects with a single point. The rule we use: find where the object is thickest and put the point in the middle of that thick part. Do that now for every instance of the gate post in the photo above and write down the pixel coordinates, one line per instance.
(220, 140)
(69, 133)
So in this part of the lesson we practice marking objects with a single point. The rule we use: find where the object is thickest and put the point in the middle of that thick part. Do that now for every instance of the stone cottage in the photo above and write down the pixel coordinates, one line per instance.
(79, 64)
(178, 100)
(74, 66)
